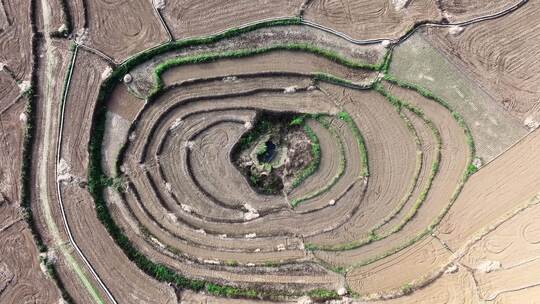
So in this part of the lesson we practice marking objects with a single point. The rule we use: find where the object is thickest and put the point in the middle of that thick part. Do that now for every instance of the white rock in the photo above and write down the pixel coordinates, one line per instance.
(201, 231)
(63, 166)
(251, 235)
(222, 236)
(455, 30)
(159, 4)
(250, 265)
(106, 73)
(172, 217)
(128, 78)
(23, 118)
(248, 216)
(249, 207)
(65, 178)
(189, 144)
(213, 262)
(160, 244)
(176, 123)
(281, 247)
(452, 269)
(2, 65)
(186, 208)
(304, 300)
(332, 202)
(81, 36)
(43, 268)
(63, 172)
(400, 4)
(531, 123)
(24, 86)
(257, 250)
(342, 291)
(290, 90)
(488, 266)
(248, 125)
(230, 79)
(63, 28)
(168, 187)
(385, 43)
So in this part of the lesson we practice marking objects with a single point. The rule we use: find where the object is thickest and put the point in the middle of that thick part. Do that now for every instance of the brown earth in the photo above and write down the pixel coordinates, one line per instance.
(20, 273)
(487, 53)
(188, 18)
(368, 19)
(462, 10)
(187, 207)
(121, 29)
(15, 39)
(21, 278)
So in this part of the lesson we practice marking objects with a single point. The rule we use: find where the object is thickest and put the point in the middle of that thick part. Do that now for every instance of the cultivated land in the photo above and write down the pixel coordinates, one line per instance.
(269, 151)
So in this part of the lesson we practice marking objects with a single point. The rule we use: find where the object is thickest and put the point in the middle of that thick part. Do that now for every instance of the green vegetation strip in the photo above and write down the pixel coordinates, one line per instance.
(26, 163)
(53, 273)
(97, 181)
(412, 186)
(429, 230)
(429, 95)
(315, 157)
(96, 177)
(343, 115)
(373, 236)
(296, 47)
(341, 169)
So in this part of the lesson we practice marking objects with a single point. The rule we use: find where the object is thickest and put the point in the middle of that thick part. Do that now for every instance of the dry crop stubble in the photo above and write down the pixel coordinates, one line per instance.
(188, 18)
(121, 29)
(172, 211)
(487, 52)
(380, 19)
(459, 10)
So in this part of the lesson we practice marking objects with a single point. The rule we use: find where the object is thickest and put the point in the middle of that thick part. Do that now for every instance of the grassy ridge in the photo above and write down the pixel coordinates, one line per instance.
(26, 169)
(341, 169)
(373, 236)
(95, 175)
(458, 189)
(315, 157)
(429, 95)
(96, 178)
(359, 141)
(295, 47)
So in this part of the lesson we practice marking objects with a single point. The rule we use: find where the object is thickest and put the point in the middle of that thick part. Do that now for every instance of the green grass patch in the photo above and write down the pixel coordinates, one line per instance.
(320, 295)
(471, 169)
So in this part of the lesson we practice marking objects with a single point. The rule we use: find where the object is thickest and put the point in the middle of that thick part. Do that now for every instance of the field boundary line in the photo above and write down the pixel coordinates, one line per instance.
(58, 191)
(517, 142)
(162, 21)
(97, 52)
(313, 24)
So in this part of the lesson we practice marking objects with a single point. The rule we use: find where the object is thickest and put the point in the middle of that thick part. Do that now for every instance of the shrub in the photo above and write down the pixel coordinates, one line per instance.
(320, 295)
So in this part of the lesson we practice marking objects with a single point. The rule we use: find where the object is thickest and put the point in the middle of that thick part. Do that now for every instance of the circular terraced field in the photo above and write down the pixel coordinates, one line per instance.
(366, 165)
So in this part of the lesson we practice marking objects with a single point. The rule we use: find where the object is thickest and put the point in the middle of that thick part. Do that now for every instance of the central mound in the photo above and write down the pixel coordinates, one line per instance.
(275, 152)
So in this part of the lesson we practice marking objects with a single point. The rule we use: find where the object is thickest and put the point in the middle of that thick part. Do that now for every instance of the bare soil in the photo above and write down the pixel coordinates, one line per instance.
(188, 18)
